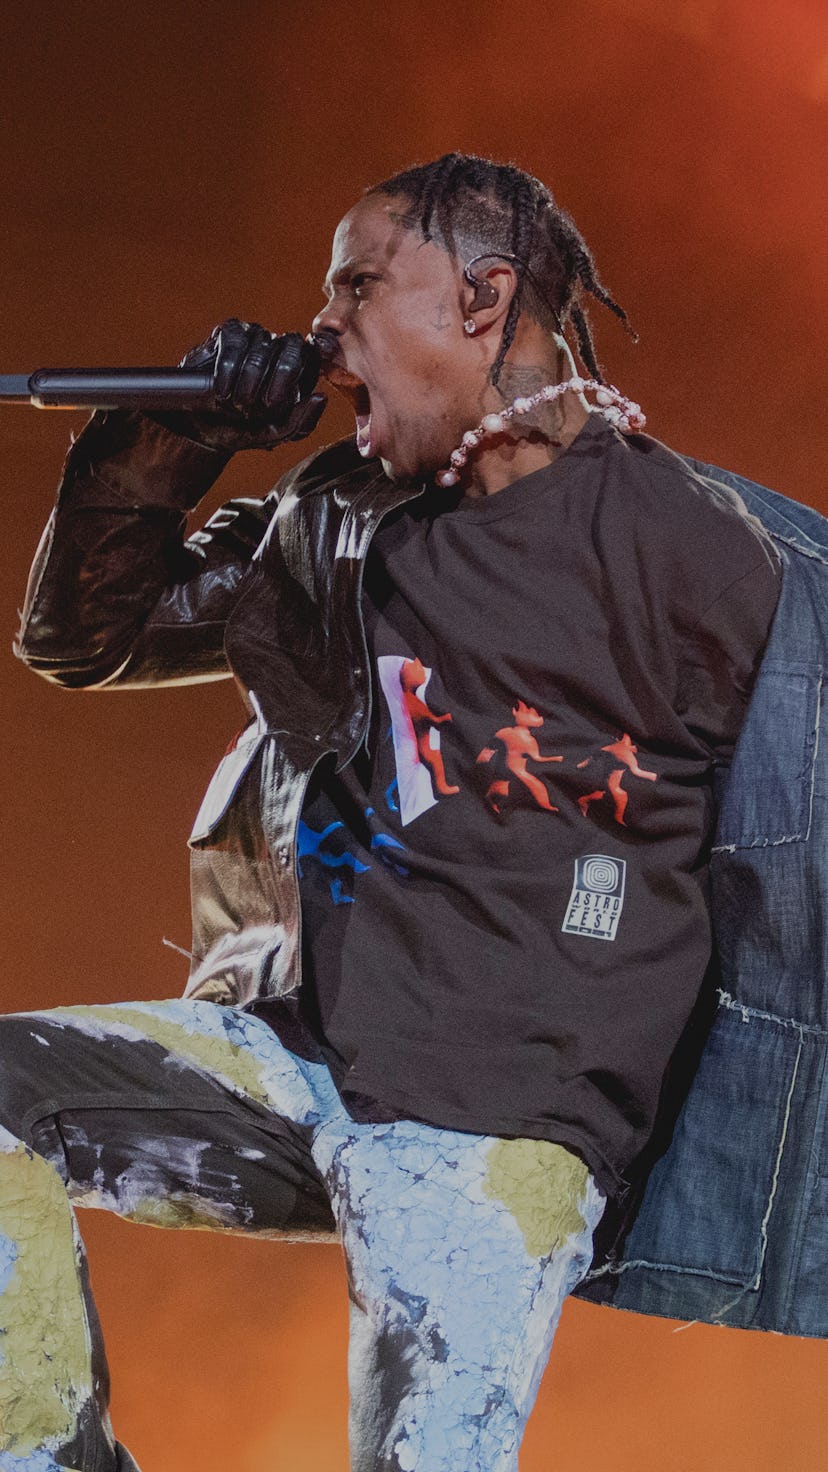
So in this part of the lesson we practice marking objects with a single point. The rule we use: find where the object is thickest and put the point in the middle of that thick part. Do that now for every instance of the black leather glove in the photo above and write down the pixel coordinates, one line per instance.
(264, 386)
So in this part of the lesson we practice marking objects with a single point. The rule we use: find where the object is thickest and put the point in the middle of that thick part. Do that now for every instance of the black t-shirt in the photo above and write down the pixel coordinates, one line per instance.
(504, 897)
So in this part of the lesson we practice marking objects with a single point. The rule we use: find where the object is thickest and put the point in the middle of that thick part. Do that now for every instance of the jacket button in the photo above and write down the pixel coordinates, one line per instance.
(283, 856)
(317, 737)
(357, 670)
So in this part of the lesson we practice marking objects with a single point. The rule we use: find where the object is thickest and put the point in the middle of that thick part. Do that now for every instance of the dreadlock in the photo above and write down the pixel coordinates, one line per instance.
(472, 204)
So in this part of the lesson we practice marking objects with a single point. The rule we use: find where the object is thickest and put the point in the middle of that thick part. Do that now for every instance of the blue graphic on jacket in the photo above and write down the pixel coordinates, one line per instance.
(309, 846)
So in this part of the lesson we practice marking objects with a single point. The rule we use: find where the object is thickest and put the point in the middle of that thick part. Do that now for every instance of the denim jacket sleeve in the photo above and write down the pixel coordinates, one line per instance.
(732, 1226)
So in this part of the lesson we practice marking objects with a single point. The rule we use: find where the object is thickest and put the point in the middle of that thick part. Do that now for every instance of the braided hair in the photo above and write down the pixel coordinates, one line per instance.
(472, 204)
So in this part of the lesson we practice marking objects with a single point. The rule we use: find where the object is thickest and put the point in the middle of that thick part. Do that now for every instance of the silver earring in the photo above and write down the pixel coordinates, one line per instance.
(469, 326)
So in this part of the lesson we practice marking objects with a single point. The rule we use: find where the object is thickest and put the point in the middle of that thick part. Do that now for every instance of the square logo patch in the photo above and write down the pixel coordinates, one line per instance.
(597, 897)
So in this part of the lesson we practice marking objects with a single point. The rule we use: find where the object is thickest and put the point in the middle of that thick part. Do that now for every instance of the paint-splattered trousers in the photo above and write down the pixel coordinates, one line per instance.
(460, 1248)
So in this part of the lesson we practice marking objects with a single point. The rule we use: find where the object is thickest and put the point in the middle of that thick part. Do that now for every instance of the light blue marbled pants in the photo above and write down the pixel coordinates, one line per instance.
(460, 1248)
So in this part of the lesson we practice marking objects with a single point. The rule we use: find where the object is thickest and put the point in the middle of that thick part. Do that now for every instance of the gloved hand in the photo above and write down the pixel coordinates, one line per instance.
(264, 385)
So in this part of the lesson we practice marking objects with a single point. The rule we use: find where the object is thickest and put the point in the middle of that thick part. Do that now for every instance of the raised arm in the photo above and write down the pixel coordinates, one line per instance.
(118, 596)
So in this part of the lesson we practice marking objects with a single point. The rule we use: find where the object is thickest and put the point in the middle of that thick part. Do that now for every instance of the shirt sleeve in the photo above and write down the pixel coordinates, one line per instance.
(720, 656)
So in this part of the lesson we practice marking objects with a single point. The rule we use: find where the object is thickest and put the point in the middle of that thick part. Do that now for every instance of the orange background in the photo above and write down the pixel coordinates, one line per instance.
(166, 166)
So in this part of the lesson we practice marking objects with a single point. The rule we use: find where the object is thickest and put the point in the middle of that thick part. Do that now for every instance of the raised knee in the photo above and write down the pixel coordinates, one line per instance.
(26, 1065)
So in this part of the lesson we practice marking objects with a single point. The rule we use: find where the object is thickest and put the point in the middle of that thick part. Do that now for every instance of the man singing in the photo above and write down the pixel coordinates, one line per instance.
(450, 880)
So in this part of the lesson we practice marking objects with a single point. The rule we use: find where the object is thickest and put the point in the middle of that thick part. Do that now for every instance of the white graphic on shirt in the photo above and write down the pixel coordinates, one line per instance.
(414, 732)
(597, 897)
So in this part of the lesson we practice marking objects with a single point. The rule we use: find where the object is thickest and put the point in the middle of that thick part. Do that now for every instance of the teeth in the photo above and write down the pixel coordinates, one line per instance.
(363, 434)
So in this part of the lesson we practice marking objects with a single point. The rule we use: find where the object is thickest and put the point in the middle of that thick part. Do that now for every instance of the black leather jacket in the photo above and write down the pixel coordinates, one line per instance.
(268, 591)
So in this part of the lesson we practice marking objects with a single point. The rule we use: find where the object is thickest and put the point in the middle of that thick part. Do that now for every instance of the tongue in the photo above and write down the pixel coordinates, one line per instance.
(363, 434)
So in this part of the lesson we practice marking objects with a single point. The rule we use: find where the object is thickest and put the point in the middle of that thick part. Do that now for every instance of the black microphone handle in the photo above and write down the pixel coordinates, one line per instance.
(111, 388)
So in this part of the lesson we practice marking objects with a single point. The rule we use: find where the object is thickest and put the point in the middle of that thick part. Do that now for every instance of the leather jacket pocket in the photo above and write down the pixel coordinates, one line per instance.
(224, 784)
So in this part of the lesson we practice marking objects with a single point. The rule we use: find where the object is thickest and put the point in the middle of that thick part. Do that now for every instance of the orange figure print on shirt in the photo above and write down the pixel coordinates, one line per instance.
(412, 676)
(624, 751)
(519, 747)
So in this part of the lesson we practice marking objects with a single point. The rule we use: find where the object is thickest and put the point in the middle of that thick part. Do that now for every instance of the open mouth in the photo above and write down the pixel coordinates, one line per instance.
(356, 392)
(361, 401)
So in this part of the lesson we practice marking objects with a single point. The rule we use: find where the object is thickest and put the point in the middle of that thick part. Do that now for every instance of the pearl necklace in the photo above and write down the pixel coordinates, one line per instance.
(620, 411)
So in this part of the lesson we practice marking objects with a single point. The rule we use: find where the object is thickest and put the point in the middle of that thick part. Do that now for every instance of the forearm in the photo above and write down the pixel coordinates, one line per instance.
(114, 546)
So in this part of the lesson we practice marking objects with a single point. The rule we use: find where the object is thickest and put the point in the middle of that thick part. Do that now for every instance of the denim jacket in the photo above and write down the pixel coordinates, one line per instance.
(733, 1223)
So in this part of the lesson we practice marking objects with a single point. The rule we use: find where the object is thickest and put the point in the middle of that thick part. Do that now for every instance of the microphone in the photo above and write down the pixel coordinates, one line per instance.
(110, 388)
(125, 388)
